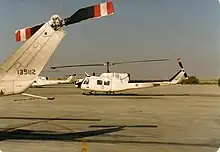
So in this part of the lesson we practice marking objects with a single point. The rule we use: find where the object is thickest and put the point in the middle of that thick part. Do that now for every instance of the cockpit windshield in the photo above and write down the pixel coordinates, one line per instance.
(86, 81)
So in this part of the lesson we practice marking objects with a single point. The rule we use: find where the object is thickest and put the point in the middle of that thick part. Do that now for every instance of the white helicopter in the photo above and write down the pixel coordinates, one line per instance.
(117, 82)
(44, 81)
(20, 70)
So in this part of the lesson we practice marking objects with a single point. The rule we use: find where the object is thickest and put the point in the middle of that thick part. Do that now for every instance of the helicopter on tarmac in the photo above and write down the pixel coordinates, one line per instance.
(107, 64)
(21, 69)
(112, 82)
(44, 81)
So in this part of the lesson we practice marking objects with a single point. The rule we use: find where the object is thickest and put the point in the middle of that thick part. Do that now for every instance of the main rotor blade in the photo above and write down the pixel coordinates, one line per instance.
(77, 65)
(94, 11)
(104, 64)
(140, 61)
(124, 126)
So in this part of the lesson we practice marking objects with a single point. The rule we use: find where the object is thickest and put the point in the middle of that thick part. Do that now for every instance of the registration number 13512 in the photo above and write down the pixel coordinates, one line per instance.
(26, 72)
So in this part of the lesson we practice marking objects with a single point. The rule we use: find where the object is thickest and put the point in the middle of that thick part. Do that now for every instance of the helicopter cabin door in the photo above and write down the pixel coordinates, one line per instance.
(103, 84)
(107, 84)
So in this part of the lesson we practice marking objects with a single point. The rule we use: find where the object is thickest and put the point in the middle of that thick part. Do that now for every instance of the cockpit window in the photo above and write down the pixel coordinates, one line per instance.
(99, 82)
(86, 81)
(106, 82)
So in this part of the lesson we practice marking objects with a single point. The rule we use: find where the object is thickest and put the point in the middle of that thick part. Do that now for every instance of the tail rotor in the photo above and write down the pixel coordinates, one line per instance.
(182, 68)
(95, 11)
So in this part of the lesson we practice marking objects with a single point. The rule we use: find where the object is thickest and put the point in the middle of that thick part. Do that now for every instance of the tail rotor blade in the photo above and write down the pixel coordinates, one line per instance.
(25, 33)
(95, 11)
(185, 75)
(180, 63)
(181, 66)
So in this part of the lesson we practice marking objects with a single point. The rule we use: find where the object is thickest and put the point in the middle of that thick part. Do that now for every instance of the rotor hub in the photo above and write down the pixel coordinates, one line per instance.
(56, 22)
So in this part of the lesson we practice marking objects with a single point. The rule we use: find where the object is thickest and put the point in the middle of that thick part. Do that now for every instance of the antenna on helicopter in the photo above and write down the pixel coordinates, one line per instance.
(108, 64)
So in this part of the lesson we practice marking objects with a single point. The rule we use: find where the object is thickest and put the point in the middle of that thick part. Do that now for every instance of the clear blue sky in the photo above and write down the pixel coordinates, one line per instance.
(140, 29)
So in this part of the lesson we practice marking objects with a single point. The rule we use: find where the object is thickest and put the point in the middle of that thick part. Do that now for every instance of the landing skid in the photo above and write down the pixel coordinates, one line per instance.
(88, 93)
(96, 93)
(110, 93)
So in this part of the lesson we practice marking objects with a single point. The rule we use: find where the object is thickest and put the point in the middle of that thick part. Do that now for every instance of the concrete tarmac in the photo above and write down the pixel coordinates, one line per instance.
(187, 119)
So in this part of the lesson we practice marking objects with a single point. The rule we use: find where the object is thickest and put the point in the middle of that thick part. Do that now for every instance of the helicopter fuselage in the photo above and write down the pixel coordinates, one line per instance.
(116, 82)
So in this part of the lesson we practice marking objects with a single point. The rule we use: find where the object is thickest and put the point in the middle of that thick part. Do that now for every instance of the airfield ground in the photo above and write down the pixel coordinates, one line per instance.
(188, 119)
